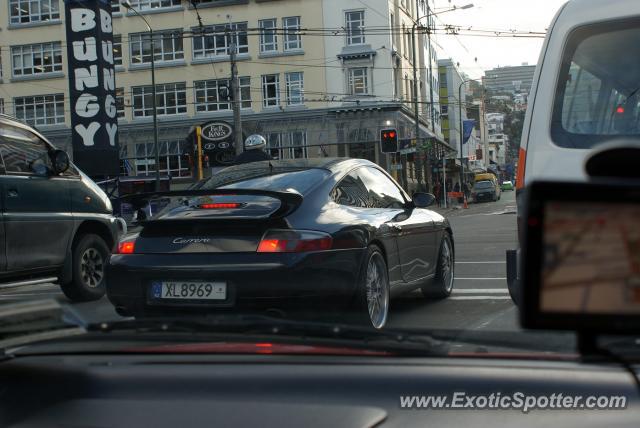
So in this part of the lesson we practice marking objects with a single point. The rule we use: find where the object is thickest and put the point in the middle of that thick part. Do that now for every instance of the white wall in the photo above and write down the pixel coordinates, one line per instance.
(376, 14)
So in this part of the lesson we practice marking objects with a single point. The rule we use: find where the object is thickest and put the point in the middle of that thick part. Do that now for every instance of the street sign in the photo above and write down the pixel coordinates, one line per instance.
(407, 151)
(216, 131)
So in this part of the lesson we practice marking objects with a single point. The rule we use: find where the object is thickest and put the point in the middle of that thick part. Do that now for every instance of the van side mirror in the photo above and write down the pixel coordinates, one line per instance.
(60, 161)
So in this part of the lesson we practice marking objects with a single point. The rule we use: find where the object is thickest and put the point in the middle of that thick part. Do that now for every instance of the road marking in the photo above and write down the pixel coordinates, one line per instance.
(479, 298)
(480, 290)
(471, 263)
(483, 279)
(6, 296)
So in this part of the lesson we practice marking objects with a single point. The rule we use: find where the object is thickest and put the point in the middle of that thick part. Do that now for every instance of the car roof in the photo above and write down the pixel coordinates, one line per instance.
(14, 121)
(331, 164)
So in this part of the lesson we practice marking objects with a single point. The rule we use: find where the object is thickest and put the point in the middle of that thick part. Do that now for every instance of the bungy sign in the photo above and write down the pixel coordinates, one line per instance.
(92, 86)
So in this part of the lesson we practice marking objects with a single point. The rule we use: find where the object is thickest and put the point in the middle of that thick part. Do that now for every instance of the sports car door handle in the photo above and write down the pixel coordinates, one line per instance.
(396, 228)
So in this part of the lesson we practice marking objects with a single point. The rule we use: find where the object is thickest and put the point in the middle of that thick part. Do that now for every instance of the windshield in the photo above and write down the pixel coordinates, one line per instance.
(313, 161)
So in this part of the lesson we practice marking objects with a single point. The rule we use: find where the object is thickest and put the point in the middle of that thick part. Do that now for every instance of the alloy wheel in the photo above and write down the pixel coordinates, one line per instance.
(92, 267)
(377, 287)
(446, 265)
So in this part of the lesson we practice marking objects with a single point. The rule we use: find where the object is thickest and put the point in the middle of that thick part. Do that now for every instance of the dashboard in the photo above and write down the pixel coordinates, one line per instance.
(295, 391)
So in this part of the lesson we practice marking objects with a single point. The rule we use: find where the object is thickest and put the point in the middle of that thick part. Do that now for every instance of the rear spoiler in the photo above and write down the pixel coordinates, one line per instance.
(289, 201)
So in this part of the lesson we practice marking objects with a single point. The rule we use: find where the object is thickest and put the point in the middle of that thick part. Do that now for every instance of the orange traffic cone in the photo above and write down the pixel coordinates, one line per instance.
(465, 203)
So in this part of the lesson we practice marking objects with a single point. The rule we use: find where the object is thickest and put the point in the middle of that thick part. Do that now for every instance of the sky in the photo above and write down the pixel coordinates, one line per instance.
(490, 52)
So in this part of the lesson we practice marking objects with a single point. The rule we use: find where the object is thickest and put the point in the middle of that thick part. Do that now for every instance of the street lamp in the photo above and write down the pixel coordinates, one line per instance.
(128, 6)
(415, 80)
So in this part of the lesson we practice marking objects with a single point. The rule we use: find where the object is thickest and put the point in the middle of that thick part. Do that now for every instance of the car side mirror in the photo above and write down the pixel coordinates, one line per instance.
(423, 200)
(60, 161)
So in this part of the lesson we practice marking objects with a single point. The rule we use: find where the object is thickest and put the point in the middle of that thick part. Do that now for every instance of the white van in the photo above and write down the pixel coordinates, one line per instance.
(586, 92)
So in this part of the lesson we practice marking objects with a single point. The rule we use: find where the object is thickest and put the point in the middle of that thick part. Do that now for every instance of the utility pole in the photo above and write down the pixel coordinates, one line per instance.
(461, 132)
(416, 103)
(128, 6)
(235, 92)
(431, 104)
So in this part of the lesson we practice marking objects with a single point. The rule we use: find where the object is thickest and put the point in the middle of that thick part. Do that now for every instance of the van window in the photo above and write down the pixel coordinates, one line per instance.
(598, 93)
(23, 152)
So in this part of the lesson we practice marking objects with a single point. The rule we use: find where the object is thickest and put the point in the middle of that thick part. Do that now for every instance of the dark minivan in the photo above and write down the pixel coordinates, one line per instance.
(57, 225)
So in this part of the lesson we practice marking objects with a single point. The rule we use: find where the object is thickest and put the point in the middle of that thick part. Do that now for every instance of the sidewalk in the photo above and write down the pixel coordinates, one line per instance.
(446, 211)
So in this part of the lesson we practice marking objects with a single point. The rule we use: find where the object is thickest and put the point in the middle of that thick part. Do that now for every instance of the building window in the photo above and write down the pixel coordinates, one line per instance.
(274, 144)
(117, 49)
(444, 109)
(298, 142)
(392, 22)
(154, 4)
(443, 81)
(245, 92)
(295, 88)
(174, 158)
(270, 90)
(26, 11)
(115, 6)
(40, 109)
(167, 47)
(120, 101)
(354, 25)
(358, 81)
(213, 41)
(268, 36)
(292, 39)
(171, 99)
(39, 58)
(287, 145)
(211, 95)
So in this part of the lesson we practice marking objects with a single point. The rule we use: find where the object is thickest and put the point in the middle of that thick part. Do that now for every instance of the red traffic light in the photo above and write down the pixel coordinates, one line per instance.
(389, 140)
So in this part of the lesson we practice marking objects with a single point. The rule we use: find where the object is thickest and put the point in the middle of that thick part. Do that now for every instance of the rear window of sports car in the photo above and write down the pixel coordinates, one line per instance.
(279, 179)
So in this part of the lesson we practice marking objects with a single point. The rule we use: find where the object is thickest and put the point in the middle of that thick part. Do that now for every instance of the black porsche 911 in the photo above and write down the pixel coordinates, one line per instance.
(338, 232)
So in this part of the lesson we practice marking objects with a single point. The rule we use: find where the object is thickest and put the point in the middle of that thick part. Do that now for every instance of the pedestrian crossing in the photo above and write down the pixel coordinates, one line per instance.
(477, 287)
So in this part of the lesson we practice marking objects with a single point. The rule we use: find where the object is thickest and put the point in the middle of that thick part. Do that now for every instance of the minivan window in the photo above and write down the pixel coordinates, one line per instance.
(23, 152)
(598, 95)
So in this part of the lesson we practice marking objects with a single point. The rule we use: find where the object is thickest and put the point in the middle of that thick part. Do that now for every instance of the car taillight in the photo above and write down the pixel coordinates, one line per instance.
(220, 206)
(522, 163)
(126, 247)
(294, 241)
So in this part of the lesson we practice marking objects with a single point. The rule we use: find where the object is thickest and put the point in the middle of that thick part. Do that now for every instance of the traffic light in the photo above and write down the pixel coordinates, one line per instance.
(389, 141)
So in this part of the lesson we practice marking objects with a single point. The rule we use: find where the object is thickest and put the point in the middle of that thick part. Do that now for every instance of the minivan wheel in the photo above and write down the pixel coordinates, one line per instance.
(89, 263)
(442, 285)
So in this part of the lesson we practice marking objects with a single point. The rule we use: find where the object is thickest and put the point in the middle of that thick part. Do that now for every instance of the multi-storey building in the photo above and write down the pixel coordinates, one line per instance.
(372, 85)
(510, 79)
(317, 78)
(452, 104)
